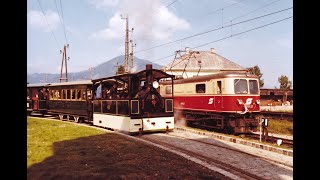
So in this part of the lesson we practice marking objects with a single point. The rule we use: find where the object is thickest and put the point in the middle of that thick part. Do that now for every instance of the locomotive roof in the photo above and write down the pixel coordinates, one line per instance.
(219, 75)
(141, 75)
(82, 82)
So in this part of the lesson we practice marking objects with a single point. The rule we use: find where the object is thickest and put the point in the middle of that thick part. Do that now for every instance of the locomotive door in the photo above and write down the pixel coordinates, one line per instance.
(219, 98)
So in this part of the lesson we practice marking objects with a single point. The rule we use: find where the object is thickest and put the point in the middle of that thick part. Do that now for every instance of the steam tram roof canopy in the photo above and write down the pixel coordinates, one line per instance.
(157, 74)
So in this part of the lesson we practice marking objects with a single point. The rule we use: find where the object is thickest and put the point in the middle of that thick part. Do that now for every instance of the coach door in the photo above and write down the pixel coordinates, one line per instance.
(87, 94)
(219, 99)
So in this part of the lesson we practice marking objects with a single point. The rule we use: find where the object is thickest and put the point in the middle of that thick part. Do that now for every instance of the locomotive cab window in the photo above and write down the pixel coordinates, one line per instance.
(200, 88)
(240, 86)
(253, 87)
(168, 89)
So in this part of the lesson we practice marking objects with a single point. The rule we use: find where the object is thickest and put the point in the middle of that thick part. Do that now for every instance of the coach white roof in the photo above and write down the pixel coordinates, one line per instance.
(72, 83)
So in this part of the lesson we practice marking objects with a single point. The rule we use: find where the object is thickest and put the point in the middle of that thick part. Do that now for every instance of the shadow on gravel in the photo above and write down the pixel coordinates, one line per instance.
(111, 156)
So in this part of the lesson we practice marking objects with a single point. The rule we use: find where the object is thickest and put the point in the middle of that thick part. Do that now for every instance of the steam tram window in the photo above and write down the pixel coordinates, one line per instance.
(240, 86)
(253, 87)
(200, 88)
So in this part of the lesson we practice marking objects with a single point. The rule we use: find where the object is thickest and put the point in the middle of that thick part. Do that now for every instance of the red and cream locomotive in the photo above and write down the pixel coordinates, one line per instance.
(227, 101)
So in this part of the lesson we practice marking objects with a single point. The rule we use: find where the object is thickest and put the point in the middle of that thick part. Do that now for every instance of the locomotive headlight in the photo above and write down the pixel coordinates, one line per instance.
(155, 84)
(258, 101)
(240, 101)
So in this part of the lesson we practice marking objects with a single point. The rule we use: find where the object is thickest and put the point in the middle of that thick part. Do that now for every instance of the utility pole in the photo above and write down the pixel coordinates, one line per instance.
(126, 52)
(64, 59)
(131, 54)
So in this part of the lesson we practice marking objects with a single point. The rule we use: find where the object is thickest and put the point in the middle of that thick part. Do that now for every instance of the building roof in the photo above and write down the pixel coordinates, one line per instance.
(208, 60)
(289, 92)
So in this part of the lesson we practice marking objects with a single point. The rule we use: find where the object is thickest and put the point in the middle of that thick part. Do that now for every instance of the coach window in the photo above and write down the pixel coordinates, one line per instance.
(240, 86)
(73, 94)
(200, 88)
(78, 94)
(51, 94)
(57, 94)
(253, 87)
(68, 94)
(63, 94)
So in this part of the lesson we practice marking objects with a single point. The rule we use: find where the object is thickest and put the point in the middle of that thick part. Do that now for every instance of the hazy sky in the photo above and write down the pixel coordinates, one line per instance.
(96, 33)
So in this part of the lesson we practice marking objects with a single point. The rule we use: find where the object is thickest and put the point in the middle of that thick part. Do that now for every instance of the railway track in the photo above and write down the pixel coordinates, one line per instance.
(278, 115)
(201, 148)
(235, 172)
(232, 149)
(271, 139)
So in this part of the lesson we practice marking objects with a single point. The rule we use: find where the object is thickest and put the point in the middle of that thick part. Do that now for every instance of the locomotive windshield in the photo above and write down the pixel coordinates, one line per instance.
(240, 86)
(253, 86)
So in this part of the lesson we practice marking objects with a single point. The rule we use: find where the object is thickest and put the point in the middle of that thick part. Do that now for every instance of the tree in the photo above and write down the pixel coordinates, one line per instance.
(120, 70)
(256, 71)
(284, 82)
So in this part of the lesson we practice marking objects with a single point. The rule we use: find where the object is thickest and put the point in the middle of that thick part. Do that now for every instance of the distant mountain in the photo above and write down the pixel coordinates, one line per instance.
(105, 69)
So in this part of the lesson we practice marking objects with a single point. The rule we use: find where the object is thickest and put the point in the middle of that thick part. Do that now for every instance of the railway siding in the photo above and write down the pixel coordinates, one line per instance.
(249, 160)
(279, 150)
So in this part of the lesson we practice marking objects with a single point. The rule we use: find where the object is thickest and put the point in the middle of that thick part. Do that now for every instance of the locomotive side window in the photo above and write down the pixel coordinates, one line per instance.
(253, 87)
(200, 88)
(219, 87)
(240, 86)
(168, 89)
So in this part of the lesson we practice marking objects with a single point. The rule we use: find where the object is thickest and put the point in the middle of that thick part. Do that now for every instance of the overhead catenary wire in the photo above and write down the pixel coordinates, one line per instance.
(171, 3)
(238, 17)
(64, 27)
(221, 9)
(61, 19)
(243, 32)
(227, 37)
(48, 24)
(205, 32)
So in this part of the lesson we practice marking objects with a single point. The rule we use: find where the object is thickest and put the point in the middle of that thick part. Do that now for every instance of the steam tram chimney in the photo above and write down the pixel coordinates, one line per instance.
(149, 75)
